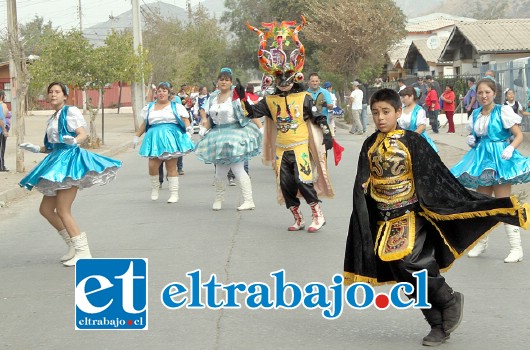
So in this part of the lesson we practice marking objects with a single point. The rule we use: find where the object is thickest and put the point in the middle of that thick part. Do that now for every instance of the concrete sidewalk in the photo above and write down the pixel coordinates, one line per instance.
(118, 135)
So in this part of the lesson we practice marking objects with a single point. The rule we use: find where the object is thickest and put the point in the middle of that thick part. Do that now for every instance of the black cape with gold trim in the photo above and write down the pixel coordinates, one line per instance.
(459, 217)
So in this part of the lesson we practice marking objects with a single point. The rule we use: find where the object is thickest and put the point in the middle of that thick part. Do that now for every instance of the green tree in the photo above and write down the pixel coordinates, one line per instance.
(30, 36)
(70, 58)
(189, 52)
(353, 35)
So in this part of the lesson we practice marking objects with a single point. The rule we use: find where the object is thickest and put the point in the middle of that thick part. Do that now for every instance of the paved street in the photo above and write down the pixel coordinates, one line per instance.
(37, 292)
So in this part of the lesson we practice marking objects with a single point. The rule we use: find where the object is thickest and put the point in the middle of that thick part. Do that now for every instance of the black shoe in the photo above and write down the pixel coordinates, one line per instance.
(4, 169)
(181, 172)
(452, 315)
(435, 337)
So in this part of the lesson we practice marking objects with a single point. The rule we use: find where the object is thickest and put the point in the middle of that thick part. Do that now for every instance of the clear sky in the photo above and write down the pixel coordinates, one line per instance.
(65, 13)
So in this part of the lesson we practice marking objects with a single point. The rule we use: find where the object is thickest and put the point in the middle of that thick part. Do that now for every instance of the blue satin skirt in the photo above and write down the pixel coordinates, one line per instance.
(483, 166)
(70, 166)
(165, 141)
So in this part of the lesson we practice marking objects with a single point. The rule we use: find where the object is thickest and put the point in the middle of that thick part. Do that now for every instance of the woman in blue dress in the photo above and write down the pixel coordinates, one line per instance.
(413, 117)
(232, 138)
(66, 169)
(167, 137)
(493, 163)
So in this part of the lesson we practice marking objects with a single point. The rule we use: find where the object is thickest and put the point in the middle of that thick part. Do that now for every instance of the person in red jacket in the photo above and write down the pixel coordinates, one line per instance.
(448, 96)
(432, 105)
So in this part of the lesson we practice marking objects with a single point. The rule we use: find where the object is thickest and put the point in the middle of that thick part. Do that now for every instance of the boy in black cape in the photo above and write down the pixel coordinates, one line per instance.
(410, 213)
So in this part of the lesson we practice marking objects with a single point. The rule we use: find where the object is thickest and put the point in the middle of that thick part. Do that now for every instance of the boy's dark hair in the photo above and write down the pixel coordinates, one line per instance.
(314, 74)
(386, 95)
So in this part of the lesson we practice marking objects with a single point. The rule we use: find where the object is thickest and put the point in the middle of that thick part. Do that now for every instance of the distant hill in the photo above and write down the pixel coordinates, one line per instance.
(411, 8)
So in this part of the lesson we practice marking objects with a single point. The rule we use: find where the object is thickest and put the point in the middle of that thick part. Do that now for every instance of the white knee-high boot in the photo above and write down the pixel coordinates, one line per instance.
(71, 251)
(81, 249)
(220, 187)
(246, 190)
(480, 248)
(155, 186)
(514, 237)
(173, 189)
(318, 218)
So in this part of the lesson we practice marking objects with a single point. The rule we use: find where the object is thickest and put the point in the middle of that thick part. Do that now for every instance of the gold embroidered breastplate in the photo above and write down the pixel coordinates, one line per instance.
(288, 115)
(392, 183)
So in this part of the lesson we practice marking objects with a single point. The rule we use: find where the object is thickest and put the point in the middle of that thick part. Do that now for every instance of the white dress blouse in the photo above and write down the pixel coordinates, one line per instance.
(508, 116)
(221, 113)
(404, 120)
(74, 120)
(164, 115)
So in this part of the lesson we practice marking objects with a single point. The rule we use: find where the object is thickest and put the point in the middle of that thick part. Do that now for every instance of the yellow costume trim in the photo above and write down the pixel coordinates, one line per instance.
(516, 210)
(350, 278)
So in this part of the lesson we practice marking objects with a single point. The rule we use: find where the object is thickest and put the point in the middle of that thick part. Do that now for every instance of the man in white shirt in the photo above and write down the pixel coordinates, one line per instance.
(356, 105)
(401, 84)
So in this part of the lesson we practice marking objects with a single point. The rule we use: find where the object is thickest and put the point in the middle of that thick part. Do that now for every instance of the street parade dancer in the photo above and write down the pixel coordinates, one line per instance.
(493, 164)
(411, 214)
(66, 169)
(167, 137)
(230, 138)
(296, 136)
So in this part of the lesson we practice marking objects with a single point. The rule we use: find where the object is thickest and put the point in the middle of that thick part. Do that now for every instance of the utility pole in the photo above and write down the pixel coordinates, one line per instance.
(83, 93)
(19, 79)
(138, 93)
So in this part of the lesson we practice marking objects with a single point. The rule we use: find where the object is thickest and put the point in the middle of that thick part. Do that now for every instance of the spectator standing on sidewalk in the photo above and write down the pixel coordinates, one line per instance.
(435, 85)
(321, 97)
(5, 124)
(66, 169)
(362, 86)
(401, 84)
(421, 85)
(356, 107)
(493, 164)
(470, 99)
(433, 106)
(448, 97)
(331, 119)
(499, 97)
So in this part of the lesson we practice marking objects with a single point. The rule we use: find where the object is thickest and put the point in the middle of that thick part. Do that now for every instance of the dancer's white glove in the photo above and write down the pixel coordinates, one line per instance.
(471, 140)
(69, 140)
(30, 147)
(202, 131)
(135, 141)
(262, 130)
(508, 152)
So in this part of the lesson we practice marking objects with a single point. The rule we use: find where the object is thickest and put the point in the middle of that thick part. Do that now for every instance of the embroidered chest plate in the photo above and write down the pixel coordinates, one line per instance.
(390, 169)
(288, 115)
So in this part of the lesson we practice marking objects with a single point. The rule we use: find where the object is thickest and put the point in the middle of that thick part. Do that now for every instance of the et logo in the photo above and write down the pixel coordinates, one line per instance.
(111, 294)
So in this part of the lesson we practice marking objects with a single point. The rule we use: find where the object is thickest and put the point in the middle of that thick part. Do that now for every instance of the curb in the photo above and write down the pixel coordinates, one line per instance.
(19, 192)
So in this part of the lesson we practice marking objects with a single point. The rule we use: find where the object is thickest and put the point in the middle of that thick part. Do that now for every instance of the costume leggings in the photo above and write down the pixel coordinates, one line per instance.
(422, 257)
(290, 182)
(238, 169)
